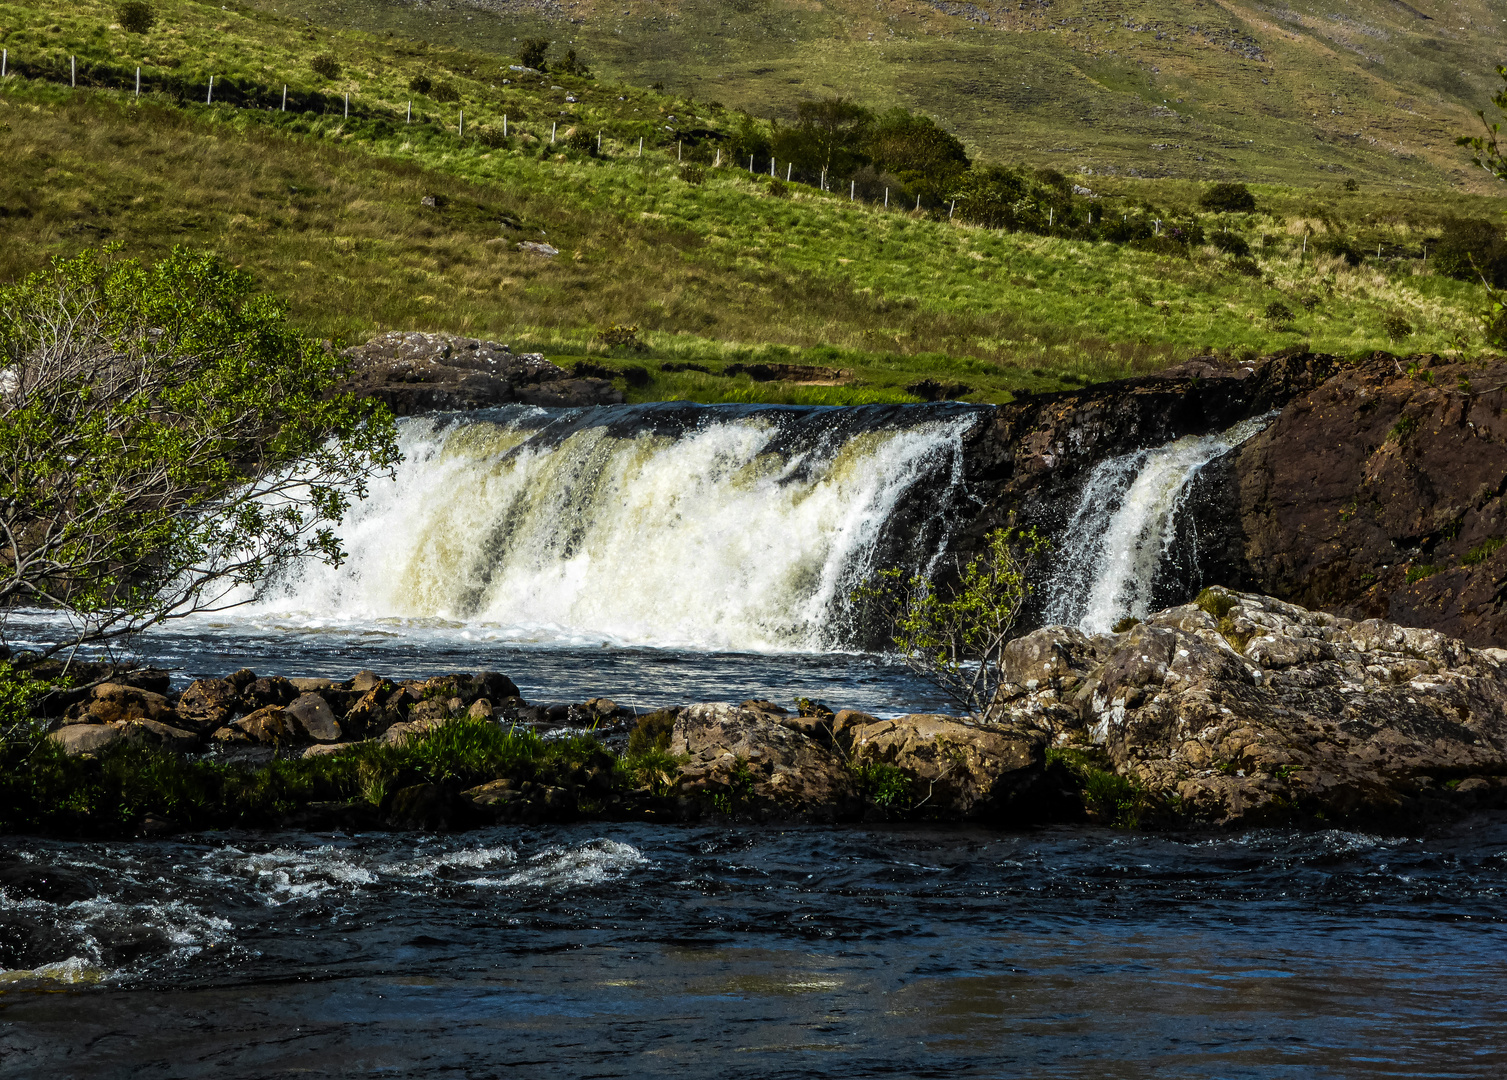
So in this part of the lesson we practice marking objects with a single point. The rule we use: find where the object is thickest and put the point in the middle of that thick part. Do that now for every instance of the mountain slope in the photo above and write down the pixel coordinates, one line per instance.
(1370, 89)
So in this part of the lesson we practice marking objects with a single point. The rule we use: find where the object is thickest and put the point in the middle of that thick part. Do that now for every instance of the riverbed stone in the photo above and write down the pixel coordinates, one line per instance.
(957, 768)
(153, 733)
(209, 703)
(110, 703)
(747, 757)
(76, 739)
(269, 725)
(313, 714)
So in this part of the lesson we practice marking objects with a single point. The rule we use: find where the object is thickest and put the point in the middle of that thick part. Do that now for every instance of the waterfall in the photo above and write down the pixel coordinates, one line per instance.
(1124, 527)
(727, 527)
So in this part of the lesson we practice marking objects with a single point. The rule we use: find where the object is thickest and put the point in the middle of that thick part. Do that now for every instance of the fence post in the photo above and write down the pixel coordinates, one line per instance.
(750, 163)
(347, 105)
(886, 198)
(771, 166)
(599, 142)
(461, 132)
(951, 208)
(73, 71)
(852, 189)
(410, 112)
(788, 166)
(138, 80)
(285, 98)
(5, 59)
(677, 149)
(918, 201)
(504, 125)
(552, 132)
(640, 146)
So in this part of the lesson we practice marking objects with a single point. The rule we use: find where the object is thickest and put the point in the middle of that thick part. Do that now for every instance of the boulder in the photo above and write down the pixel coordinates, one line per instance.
(957, 768)
(152, 733)
(76, 739)
(209, 703)
(270, 725)
(1257, 710)
(756, 763)
(268, 690)
(313, 715)
(326, 749)
(110, 703)
(314, 685)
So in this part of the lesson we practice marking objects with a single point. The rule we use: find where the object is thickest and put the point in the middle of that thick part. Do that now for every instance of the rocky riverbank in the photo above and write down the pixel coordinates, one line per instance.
(1234, 711)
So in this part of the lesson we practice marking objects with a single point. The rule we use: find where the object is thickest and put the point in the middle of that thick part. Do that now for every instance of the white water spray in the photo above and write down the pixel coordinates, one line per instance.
(1124, 527)
(744, 531)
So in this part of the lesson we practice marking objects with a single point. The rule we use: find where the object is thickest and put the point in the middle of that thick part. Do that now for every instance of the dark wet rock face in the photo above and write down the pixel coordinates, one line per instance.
(1380, 494)
(415, 372)
(1271, 712)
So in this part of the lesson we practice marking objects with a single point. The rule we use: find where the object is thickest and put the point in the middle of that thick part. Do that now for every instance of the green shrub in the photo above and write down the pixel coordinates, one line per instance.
(1419, 571)
(621, 336)
(1404, 427)
(652, 732)
(571, 65)
(1232, 198)
(1231, 244)
(1471, 249)
(695, 174)
(1340, 246)
(1278, 313)
(1397, 327)
(136, 16)
(531, 52)
(421, 84)
(885, 785)
(1482, 551)
(444, 91)
(326, 65)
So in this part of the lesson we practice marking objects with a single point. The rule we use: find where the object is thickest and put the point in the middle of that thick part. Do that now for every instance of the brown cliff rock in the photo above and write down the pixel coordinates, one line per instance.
(1392, 469)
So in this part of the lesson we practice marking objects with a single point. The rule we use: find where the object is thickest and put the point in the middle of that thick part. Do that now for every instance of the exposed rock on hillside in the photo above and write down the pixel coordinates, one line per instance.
(1265, 712)
(416, 372)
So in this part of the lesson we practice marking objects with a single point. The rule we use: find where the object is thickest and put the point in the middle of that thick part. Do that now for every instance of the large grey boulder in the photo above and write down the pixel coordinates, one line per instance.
(1266, 711)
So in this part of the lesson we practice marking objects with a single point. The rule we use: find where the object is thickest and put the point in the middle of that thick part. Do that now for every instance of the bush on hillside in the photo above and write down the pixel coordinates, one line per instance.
(421, 84)
(572, 65)
(326, 65)
(1232, 198)
(1338, 246)
(444, 91)
(1231, 244)
(1471, 249)
(693, 174)
(531, 52)
(136, 16)
(1397, 327)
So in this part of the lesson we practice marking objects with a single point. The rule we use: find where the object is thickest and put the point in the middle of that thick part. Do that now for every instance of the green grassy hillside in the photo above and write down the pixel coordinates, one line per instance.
(713, 265)
(1291, 93)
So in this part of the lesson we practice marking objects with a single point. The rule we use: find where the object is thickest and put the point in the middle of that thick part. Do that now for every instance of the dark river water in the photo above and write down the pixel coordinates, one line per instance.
(633, 950)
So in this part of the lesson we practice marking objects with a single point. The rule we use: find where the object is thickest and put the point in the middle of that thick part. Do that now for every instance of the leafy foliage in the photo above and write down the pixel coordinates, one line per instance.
(325, 65)
(531, 52)
(1487, 148)
(1232, 198)
(166, 437)
(956, 634)
(136, 16)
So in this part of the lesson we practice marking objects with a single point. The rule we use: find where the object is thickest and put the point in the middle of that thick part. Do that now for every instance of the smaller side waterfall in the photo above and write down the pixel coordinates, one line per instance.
(1124, 526)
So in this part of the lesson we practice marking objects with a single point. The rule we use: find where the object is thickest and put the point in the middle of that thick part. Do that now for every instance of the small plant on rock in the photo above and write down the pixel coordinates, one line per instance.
(955, 634)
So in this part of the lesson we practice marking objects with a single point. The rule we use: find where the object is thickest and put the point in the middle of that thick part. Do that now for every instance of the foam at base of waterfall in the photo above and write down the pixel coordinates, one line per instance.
(744, 532)
(1124, 527)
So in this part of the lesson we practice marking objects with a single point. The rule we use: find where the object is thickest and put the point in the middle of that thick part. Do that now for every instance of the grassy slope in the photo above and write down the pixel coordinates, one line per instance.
(327, 213)
(1294, 93)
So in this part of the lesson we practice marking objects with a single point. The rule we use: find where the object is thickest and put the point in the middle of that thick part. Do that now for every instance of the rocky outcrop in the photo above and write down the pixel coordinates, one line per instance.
(415, 372)
(1248, 710)
(1380, 493)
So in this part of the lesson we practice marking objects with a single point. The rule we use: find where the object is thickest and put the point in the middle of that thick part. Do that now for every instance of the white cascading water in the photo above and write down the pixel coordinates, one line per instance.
(731, 535)
(1123, 528)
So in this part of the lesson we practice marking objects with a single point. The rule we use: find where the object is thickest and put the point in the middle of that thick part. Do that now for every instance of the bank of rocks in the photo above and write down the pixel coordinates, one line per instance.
(414, 372)
(1241, 710)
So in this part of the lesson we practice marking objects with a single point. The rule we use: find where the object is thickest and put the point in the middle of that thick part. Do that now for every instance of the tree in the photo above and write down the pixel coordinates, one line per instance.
(531, 52)
(166, 440)
(956, 635)
(828, 136)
